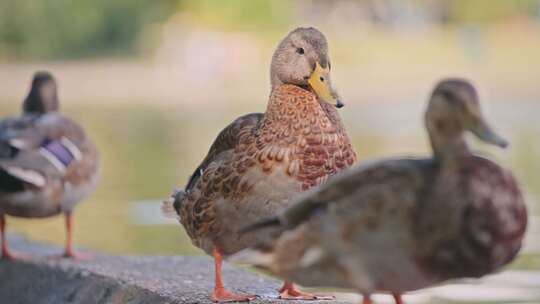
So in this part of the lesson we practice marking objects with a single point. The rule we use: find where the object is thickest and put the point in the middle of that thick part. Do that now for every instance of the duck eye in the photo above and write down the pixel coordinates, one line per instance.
(322, 79)
(300, 51)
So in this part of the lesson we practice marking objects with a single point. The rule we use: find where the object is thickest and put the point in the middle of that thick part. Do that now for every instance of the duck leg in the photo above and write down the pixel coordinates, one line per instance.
(366, 299)
(70, 252)
(397, 298)
(6, 253)
(221, 294)
(289, 291)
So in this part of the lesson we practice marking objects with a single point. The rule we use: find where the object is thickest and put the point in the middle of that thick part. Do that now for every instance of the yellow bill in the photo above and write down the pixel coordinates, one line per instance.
(322, 86)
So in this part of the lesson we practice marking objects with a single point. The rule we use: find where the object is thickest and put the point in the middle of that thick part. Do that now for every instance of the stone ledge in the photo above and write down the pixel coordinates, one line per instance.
(121, 279)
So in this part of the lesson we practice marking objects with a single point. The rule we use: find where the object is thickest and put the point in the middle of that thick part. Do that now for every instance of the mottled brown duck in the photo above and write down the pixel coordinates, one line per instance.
(261, 161)
(47, 163)
(403, 224)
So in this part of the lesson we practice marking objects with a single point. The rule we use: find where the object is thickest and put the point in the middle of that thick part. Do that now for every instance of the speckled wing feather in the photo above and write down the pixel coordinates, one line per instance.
(227, 139)
(226, 142)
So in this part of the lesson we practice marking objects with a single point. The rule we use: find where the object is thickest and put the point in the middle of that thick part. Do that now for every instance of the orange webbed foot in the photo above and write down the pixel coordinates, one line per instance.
(222, 295)
(15, 256)
(74, 255)
(290, 292)
(79, 256)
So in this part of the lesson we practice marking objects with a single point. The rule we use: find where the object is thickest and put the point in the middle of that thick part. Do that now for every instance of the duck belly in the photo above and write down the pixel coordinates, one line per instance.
(379, 257)
(268, 194)
(73, 194)
(32, 203)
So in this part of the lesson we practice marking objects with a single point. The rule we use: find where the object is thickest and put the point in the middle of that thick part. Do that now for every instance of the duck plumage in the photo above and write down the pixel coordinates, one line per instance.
(402, 224)
(261, 161)
(47, 162)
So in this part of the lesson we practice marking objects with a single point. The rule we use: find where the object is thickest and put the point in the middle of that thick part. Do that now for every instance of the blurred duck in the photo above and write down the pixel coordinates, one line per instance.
(47, 164)
(262, 160)
(404, 224)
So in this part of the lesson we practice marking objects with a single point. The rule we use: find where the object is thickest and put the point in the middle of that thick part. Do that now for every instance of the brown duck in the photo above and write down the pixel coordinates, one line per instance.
(404, 224)
(262, 160)
(47, 163)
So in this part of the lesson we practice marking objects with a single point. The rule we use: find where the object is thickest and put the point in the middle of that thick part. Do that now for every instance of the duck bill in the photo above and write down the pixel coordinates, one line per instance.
(486, 133)
(322, 86)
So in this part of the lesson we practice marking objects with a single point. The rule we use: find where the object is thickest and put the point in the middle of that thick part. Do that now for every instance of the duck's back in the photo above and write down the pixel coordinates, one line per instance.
(47, 165)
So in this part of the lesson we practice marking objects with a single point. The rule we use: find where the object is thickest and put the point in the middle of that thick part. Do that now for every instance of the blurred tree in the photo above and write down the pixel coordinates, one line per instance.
(259, 15)
(59, 29)
(485, 11)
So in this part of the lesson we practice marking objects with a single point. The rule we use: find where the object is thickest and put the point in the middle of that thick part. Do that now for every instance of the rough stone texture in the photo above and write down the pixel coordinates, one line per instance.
(121, 279)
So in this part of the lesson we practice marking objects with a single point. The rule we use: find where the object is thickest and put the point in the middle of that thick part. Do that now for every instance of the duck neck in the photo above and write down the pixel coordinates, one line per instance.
(294, 108)
(307, 133)
(448, 149)
(37, 105)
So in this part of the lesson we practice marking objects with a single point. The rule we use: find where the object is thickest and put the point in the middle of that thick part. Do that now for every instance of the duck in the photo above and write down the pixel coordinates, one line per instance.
(398, 225)
(47, 163)
(260, 161)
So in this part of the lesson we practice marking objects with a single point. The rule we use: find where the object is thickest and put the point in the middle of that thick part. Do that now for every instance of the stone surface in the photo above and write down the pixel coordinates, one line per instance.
(121, 279)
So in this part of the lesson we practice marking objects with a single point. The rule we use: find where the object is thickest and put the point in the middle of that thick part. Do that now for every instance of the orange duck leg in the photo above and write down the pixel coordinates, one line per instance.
(70, 252)
(8, 254)
(397, 298)
(221, 294)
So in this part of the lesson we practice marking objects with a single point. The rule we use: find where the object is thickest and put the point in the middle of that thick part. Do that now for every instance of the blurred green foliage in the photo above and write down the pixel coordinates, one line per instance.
(53, 29)
(478, 11)
(60, 29)
(257, 15)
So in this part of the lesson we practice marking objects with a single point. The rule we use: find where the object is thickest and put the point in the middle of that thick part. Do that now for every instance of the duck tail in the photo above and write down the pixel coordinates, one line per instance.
(252, 256)
(171, 206)
(265, 223)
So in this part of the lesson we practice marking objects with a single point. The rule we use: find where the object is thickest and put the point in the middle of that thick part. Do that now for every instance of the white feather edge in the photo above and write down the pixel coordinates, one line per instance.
(312, 256)
(53, 160)
(73, 149)
(30, 176)
(18, 143)
(167, 208)
(252, 257)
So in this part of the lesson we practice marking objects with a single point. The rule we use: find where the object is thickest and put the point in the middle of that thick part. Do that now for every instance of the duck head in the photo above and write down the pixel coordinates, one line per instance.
(454, 108)
(43, 96)
(302, 59)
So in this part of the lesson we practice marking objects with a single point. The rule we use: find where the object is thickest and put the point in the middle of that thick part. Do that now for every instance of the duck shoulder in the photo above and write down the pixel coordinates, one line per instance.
(226, 140)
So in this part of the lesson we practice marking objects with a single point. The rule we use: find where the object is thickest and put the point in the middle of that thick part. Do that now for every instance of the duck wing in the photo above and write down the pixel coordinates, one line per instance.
(343, 186)
(226, 140)
(35, 148)
(364, 207)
